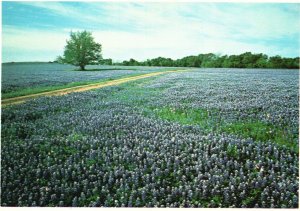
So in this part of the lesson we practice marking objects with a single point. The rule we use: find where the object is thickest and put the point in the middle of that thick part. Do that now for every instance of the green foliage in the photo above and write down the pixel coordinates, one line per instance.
(217, 199)
(209, 121)
(91, 162)
(184, 116)
(81, 50)
(255, 130)
(252, 199)
(106, 62)
(210, 60)
(261, 131)
(232, 151)
(75, 137)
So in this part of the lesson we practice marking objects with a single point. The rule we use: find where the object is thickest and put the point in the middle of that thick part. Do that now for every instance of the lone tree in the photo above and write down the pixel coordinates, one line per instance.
(81, 50)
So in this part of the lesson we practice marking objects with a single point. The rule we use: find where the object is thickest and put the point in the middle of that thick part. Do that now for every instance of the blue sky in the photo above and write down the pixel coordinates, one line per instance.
(37, 31)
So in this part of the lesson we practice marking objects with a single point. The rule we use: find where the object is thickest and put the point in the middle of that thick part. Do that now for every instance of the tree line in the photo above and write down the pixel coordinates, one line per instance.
(81, 50)
(210, 60)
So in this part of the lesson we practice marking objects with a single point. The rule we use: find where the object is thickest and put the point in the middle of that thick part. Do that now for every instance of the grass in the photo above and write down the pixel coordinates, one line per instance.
(217, 199)
(252, 199)
(262, 131)
(206, 119)
(75, 136)
(232, 151)
(91, 162)
(201, 117)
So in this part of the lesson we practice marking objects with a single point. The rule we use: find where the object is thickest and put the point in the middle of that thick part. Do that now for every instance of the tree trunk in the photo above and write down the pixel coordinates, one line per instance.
(82, 67)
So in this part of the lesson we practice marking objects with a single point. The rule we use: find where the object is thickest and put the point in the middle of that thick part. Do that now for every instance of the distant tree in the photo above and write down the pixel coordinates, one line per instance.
(131, 62)
(106, 62)
(220, 61)
(161, 61)
(191, 61)
(59, 59)
(259, 60)
(295, 63)
(148, 62)
(81, 50)
(166, 62)
(125, 63)
(290, 63)
(275, 62)
(210, 60)
(109, 62)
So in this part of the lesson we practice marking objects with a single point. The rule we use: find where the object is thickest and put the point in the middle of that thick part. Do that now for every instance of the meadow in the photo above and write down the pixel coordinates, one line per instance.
(200, 138)
(20, 79)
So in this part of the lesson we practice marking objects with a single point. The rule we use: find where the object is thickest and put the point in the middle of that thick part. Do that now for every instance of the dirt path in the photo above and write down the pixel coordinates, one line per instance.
(21, 99)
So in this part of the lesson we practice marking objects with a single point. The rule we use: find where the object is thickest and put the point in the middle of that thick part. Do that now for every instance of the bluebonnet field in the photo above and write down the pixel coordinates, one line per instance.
(17, 76)
(204, 138)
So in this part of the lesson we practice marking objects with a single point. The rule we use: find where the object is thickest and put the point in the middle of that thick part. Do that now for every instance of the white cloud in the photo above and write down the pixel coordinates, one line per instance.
(32, 39)
(66, 10)
(21, 44)
(270, 23)
(172, 30)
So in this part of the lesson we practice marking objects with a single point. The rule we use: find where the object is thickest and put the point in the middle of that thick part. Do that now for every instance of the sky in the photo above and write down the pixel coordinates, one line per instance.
(37, 31)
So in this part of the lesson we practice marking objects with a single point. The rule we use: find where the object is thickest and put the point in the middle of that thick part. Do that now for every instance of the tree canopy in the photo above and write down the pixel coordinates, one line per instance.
(81, 50)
